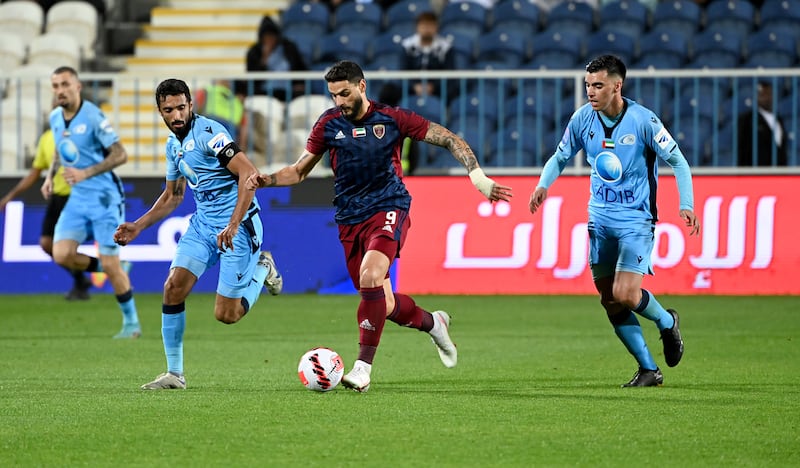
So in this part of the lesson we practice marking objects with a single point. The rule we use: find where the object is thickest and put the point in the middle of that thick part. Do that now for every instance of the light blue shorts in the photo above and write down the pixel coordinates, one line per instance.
(197, 252)
(620, 248)
(81, 221)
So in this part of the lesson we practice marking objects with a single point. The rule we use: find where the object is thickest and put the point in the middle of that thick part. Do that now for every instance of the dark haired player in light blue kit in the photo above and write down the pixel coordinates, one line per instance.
(89, 149)
(364, 139)
(622, 141)
(225, 227)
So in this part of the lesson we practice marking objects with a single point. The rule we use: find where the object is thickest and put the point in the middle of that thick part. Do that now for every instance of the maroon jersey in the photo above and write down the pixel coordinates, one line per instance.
(365, 158)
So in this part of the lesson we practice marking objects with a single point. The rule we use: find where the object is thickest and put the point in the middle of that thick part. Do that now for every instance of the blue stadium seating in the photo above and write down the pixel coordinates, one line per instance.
(781, 15)
(655, 94)
(306, 41)
(607, 42)
(556, 49)
(624, 16)
(405, 12)
(677, 16)
(717, 49)
(513, 148)
(662, 49)
(310, 17)
(507, 50)
(386, 43)
(463, 17)
(429, 107)
(361, 17)
(730, 15)
(771, 49)
(471, 109)
(575, 17)
(343, 46)
(463, 48)
(521, 17)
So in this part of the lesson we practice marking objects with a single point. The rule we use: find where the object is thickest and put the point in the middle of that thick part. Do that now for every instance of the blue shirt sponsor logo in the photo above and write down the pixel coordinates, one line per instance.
(608, 167)
(188, 173)
(69, 152)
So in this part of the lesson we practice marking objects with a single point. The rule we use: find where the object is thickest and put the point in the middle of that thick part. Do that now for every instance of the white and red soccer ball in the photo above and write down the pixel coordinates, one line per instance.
(321, 369)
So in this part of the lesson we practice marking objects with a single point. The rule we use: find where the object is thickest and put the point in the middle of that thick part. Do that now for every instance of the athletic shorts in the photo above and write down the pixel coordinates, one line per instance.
(624, 248)
(54, 206)
(385, 232)
(197, 252)
(80, 221)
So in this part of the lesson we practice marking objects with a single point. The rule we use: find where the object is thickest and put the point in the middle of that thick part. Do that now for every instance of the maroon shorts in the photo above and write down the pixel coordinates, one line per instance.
(385, 232)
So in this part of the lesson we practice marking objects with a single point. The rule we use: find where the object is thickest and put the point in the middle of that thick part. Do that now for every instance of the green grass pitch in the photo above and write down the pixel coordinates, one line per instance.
(537, 385)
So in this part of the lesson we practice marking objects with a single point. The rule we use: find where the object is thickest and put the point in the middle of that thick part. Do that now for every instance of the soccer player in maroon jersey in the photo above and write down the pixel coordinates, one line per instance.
(364, 139)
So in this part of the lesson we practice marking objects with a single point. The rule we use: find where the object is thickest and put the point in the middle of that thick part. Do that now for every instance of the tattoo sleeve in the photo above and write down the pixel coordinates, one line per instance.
(116, 157)
(54, 167)
(441, 136)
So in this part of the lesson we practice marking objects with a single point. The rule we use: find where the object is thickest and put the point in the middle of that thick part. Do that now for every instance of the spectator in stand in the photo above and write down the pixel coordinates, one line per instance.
(273, 52)
(769, 132)
(427, 50)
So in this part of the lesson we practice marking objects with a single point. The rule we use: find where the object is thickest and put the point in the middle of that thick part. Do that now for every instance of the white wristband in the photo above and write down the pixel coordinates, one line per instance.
(481, 182)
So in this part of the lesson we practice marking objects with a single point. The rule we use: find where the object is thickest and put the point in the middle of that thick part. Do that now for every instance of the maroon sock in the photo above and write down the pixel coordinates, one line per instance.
(408, 314)
(371, 318)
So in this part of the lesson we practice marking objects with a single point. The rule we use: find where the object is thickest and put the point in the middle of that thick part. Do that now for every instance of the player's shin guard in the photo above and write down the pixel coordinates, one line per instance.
(650, 309)
(371, 318)
(627, 328)
(173, 323)
(408, 314)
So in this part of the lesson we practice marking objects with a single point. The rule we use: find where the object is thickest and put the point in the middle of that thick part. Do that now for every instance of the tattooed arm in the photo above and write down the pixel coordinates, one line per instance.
(117, 156)
(289, 175)
(170, 198)
(440, 136)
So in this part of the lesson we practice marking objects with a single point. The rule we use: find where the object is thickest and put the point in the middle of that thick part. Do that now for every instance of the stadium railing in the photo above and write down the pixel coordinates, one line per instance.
(512, 118)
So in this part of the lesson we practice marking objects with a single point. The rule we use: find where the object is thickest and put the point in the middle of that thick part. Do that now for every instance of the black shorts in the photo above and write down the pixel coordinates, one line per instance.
(54, 207)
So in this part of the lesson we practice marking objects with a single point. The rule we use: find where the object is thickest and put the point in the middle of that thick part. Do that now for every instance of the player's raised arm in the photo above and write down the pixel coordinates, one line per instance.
(289, 175)
(170, 198)
(441, 136)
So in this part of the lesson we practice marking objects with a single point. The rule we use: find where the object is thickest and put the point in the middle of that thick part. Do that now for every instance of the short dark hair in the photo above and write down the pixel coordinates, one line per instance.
(65, 69)
(172, 87)
(612, 64)
(344, 70)
(428, 16)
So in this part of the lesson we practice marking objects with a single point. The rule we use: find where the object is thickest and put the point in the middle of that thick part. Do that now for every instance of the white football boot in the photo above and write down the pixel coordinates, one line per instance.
(274, 280)
(358, 377)
(441, 338)
(166, 381)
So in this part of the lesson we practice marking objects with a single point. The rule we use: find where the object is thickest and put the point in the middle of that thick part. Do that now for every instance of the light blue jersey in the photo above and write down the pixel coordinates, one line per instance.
(96, 205)
(215, 191)
(214, 187)
(84, 142)
(622, 156)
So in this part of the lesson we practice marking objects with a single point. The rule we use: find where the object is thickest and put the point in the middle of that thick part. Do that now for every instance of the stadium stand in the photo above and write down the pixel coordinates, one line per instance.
(730, 15)
(77, 19)
(575, 17)
(677, 16)
(516, 17)
(23, 18)
(463, 17)
(624, 16)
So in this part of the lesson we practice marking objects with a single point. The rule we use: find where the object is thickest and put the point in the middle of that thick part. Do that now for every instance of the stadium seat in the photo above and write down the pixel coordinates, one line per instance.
(430, 107)
(306, 15)
(463, 48)
(386, 44)
(26, 116)
(473, 110)
(403, 14)
(77, 19)
(32, 80)
(507, 50)
(529, 112)
(677, 16)
(545, 91)
(306, 42)
(606, 42)
(52, 48)
(771, 49)
(662, 49)
(692, 132)
(519, 17)
(386, 62)
(12, 51)
(514, 148)
(463, 17)
(22, 18)
(716, 49)
(303, 111)
(721, 146)
(362, 17)
(272, 109)
(555, 49)
(736, 16)
(781, 15)
(574, 17)
(343, 46)
(624, 16)
(653, 93)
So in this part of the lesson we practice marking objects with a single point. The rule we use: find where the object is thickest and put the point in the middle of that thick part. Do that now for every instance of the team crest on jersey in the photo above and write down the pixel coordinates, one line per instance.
(379, 131)
(189, 145)
(628, 139)
(80, 129)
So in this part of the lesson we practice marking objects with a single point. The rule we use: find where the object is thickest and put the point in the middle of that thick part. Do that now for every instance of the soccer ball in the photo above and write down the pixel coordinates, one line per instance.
(320, 369)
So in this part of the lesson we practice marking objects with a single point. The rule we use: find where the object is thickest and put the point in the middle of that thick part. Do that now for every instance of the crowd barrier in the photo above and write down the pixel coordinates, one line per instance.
(513, 119)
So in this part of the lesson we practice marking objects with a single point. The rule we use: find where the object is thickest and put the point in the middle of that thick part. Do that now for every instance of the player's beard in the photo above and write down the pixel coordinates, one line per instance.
(182, 131)
(355, 109)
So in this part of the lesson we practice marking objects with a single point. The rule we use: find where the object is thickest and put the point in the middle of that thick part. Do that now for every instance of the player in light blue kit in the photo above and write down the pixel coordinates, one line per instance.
(225, 228)
(89, 149)
(622, 141)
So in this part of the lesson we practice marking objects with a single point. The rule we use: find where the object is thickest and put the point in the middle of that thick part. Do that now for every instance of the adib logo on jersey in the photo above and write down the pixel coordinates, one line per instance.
(69, 152)
(608, 167)
(218, 142)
